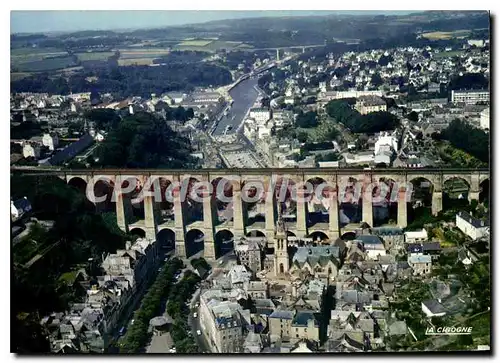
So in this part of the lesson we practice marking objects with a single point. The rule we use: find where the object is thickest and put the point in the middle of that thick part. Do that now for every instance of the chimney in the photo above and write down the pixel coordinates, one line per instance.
(128, 245)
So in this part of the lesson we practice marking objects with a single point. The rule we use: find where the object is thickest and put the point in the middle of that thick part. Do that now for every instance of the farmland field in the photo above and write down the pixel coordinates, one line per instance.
(19, 75)
(24, 55)
(94, 56)
(210, 45)
(453, 53)
(446, 35)
(142, 53)
(135, 61)
(48, 64)
(195, 43)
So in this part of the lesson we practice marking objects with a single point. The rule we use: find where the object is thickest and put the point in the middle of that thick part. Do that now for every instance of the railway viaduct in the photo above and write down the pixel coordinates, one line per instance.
(239, 179)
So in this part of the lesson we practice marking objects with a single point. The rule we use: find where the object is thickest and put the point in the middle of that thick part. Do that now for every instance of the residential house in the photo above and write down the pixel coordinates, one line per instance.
(472, 227)
(421, 264)
(280, 325)
(319, 261)
(393, 238)
(372, 245)
(50, 140)
(416, 236)
(19, 208)
(31, 150)
(432, 308)
(304, 326)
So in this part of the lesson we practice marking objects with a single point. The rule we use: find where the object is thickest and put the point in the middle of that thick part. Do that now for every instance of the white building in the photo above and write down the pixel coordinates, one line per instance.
(222, 321)
(484, 120)
(470, 97)
(472, 227)
(386, 139)
(362, 157)
(368, 104)
(416, 236)
(355, 94)
(51, 141)
(477, 42)
(19, 207)
(261, 115)
(31, 150)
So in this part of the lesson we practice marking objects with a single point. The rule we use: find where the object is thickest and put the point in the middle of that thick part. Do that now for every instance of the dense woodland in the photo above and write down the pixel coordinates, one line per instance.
(129, 81)
(373, 122)
(468, 138)
(144, 141)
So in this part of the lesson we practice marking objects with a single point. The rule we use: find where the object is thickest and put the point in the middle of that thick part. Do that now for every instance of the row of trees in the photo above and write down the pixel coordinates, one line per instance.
(137, 337)
(178, 309)
(373, 122)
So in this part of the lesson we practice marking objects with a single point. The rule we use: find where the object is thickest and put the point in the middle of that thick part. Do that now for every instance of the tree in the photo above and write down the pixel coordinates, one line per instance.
(412, 116)
(307, 120)
(468, 138)
(302, 136)
(143, 140)
(377, 80)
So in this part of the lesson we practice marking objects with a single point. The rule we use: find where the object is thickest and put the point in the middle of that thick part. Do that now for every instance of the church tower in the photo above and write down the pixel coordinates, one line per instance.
(281, 262)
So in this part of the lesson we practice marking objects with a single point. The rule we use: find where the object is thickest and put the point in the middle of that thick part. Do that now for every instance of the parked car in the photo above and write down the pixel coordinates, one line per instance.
(195, 315)
(198, 332)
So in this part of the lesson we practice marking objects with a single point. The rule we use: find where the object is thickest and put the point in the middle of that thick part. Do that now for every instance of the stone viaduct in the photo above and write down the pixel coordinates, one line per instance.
(209, 225)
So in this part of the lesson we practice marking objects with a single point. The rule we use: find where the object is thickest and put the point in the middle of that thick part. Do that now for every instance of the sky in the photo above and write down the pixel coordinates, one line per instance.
(66, 20)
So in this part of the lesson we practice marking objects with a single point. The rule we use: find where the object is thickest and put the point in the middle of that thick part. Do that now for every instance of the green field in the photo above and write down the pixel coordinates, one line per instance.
(142, 53)
(195, 43)
(453, 53)
(210, 45)
(26, 55)
(19, 75)
(48, 64)
(94, 56)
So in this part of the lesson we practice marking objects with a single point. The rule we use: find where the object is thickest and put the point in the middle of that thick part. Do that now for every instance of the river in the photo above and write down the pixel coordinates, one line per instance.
(244, 95)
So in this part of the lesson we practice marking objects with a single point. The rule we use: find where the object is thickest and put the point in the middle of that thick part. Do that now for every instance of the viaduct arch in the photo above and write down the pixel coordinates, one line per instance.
(208, 225)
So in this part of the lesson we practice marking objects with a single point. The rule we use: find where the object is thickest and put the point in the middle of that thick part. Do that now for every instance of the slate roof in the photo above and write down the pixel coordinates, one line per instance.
(397, 328)
(282, 314)
(476, 223)
(419, 259)
(71, 150)
(368, 239)
(434, 306)
(432, 246)
(415, 248)
(302, 318)
(303, 253)
(344, 343)
(387, 231)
